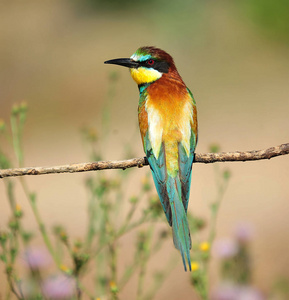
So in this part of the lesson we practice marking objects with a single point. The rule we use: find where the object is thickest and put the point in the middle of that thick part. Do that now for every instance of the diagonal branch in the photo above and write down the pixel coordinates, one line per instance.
(140, 162)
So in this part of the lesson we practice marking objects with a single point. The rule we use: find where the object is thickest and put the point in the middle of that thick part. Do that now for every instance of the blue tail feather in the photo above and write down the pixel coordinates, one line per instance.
(181, 231)
(174, 196)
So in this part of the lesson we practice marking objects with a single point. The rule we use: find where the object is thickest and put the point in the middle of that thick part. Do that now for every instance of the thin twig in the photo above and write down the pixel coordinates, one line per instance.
(140, 162)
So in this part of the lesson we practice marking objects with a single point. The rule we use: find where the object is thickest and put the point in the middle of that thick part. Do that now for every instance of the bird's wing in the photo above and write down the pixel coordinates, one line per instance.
(159, 172)
(185, 161)
(157, 165)
(185, 171)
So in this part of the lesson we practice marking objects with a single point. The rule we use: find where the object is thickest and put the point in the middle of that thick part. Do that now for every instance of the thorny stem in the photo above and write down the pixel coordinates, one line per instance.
(113, 264)
(16, 140)
(14, 243)
(92, 214)
(144, 256)
(84, 289)
(222, 186)
(113, 261)
(157, 283)
(203, 289)
(9, 188)
(130, 214)
(120, 233)
(12, 288)
(39, 221)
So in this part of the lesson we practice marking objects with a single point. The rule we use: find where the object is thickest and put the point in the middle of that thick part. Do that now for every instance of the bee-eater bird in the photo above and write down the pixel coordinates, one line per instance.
(168, 125)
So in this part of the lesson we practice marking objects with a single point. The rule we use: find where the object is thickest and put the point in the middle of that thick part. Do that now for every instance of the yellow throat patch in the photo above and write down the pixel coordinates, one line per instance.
(143, 75)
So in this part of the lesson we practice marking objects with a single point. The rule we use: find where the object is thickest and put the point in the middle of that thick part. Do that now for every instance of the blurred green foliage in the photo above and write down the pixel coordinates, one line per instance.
(114, 5)
(272, 17)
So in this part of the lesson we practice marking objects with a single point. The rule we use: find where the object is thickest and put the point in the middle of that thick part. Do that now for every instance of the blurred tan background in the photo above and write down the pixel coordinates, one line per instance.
(233, 56)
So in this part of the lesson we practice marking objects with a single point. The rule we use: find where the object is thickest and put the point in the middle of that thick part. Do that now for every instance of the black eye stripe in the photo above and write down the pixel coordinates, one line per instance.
(161, 66)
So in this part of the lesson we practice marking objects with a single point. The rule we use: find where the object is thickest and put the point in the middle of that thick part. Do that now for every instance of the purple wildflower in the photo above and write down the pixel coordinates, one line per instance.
(249, 293)
(59, 287)
(231, 291)
(244, 232)
(226, 248)
(225, 291)
(37, 258)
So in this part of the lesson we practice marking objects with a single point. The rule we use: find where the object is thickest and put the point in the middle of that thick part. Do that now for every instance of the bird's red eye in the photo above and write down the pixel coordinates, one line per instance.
(151, 62)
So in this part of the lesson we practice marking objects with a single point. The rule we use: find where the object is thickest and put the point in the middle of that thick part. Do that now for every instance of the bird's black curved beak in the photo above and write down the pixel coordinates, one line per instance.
(126, 62)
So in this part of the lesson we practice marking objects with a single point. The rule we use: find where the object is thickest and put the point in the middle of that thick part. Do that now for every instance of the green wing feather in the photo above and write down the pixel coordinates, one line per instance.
(159, 173)
(185, 170)
(186, 162)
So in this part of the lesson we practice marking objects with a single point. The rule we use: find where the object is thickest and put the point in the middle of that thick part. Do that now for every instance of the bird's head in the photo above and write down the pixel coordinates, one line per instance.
(147, 64)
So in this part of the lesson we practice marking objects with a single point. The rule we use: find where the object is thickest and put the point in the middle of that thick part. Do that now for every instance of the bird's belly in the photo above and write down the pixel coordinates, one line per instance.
(169, 124)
